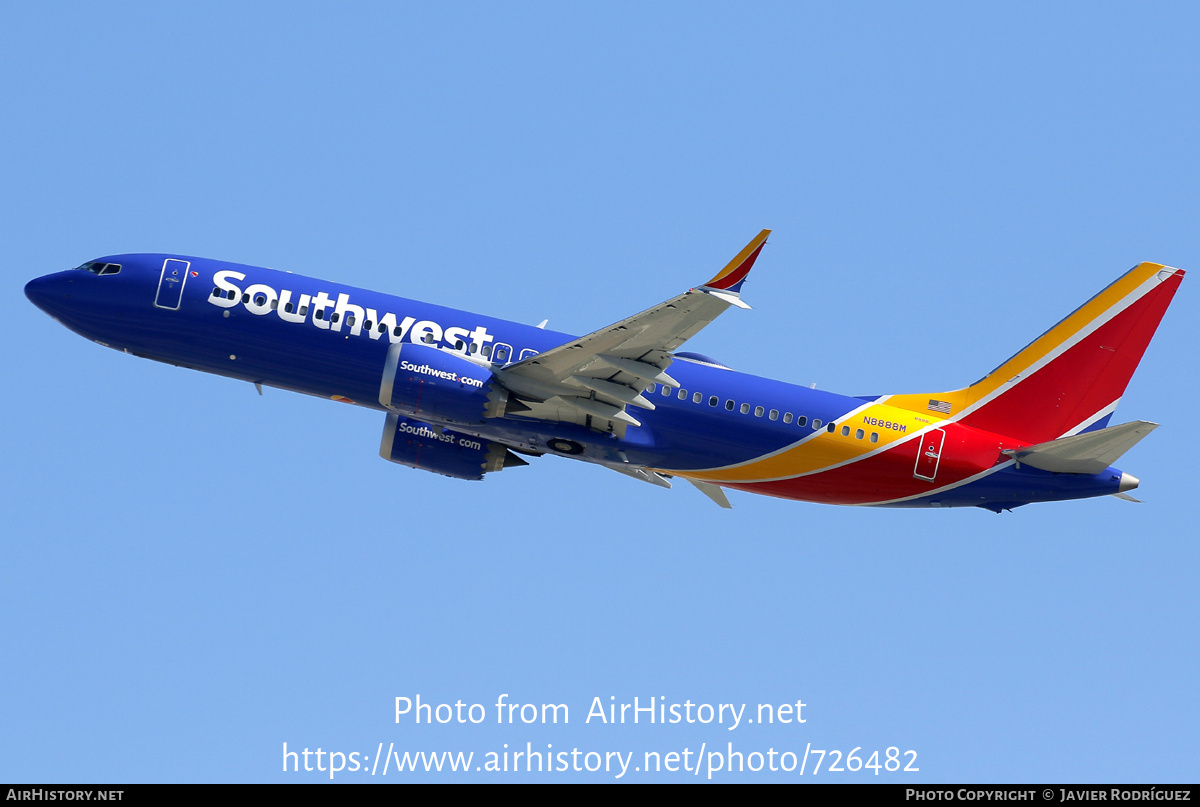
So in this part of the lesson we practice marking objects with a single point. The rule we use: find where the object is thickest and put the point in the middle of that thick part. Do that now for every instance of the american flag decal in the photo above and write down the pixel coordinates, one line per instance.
(939, 406)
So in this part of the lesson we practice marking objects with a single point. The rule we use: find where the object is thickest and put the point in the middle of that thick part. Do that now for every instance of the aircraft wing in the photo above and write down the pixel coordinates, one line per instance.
(596, 379)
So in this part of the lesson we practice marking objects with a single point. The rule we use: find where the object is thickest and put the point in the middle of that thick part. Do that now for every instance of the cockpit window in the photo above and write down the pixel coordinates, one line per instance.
(100, 268)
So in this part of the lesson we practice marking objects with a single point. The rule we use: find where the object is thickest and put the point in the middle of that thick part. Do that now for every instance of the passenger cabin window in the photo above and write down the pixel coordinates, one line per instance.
(816, 423)
(745, 409)
(845, 431)
(729, 405)
(802, 421)
(874, 437)
(858, 434)
(697, 397)
(758, 411)
(787, 417)
(713, 401)
(682, 394)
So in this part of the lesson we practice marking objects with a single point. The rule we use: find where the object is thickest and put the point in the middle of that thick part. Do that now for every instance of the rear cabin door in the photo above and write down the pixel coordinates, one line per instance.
(929, 455)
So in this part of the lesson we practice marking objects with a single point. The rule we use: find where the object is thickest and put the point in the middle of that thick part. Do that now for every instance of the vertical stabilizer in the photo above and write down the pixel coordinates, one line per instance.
(1070, 378)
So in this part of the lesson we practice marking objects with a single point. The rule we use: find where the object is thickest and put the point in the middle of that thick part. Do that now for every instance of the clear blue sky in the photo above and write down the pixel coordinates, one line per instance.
(194, 575)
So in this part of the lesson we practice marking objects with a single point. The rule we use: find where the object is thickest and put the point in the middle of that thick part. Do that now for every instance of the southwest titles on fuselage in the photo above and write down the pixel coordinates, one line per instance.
(261, 300)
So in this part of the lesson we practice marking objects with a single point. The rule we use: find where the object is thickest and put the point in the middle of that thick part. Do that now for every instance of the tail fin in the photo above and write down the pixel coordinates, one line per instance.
(1069, 379)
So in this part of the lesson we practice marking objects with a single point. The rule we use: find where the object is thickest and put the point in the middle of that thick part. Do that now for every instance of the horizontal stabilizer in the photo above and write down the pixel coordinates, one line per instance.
(713, 492)
(1087, 453)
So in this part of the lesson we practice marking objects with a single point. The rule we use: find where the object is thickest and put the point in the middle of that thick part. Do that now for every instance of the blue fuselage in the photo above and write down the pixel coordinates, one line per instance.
(326, 339)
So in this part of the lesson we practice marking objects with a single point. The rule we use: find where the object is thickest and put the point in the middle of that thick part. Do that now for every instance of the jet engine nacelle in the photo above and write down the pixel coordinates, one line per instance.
(442, 451)
(439, 385)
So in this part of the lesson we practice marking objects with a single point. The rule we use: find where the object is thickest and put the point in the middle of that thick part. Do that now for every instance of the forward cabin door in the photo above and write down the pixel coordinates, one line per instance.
(170, 284)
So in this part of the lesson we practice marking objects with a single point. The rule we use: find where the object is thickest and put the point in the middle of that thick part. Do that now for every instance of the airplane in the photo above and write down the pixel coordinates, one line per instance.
(466, 395)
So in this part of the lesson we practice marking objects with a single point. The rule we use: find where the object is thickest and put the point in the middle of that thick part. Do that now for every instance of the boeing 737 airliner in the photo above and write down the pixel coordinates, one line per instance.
(465, 394)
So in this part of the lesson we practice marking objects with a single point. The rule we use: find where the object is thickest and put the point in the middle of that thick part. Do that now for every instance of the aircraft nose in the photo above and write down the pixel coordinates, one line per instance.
(43, 291)
(53, 294)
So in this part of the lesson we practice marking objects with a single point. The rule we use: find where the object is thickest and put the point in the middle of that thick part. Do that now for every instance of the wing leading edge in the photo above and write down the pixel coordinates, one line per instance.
(596, 379)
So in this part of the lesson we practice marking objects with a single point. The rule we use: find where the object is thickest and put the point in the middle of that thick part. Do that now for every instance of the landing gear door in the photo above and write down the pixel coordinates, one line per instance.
(929, 454)
(170, 284)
